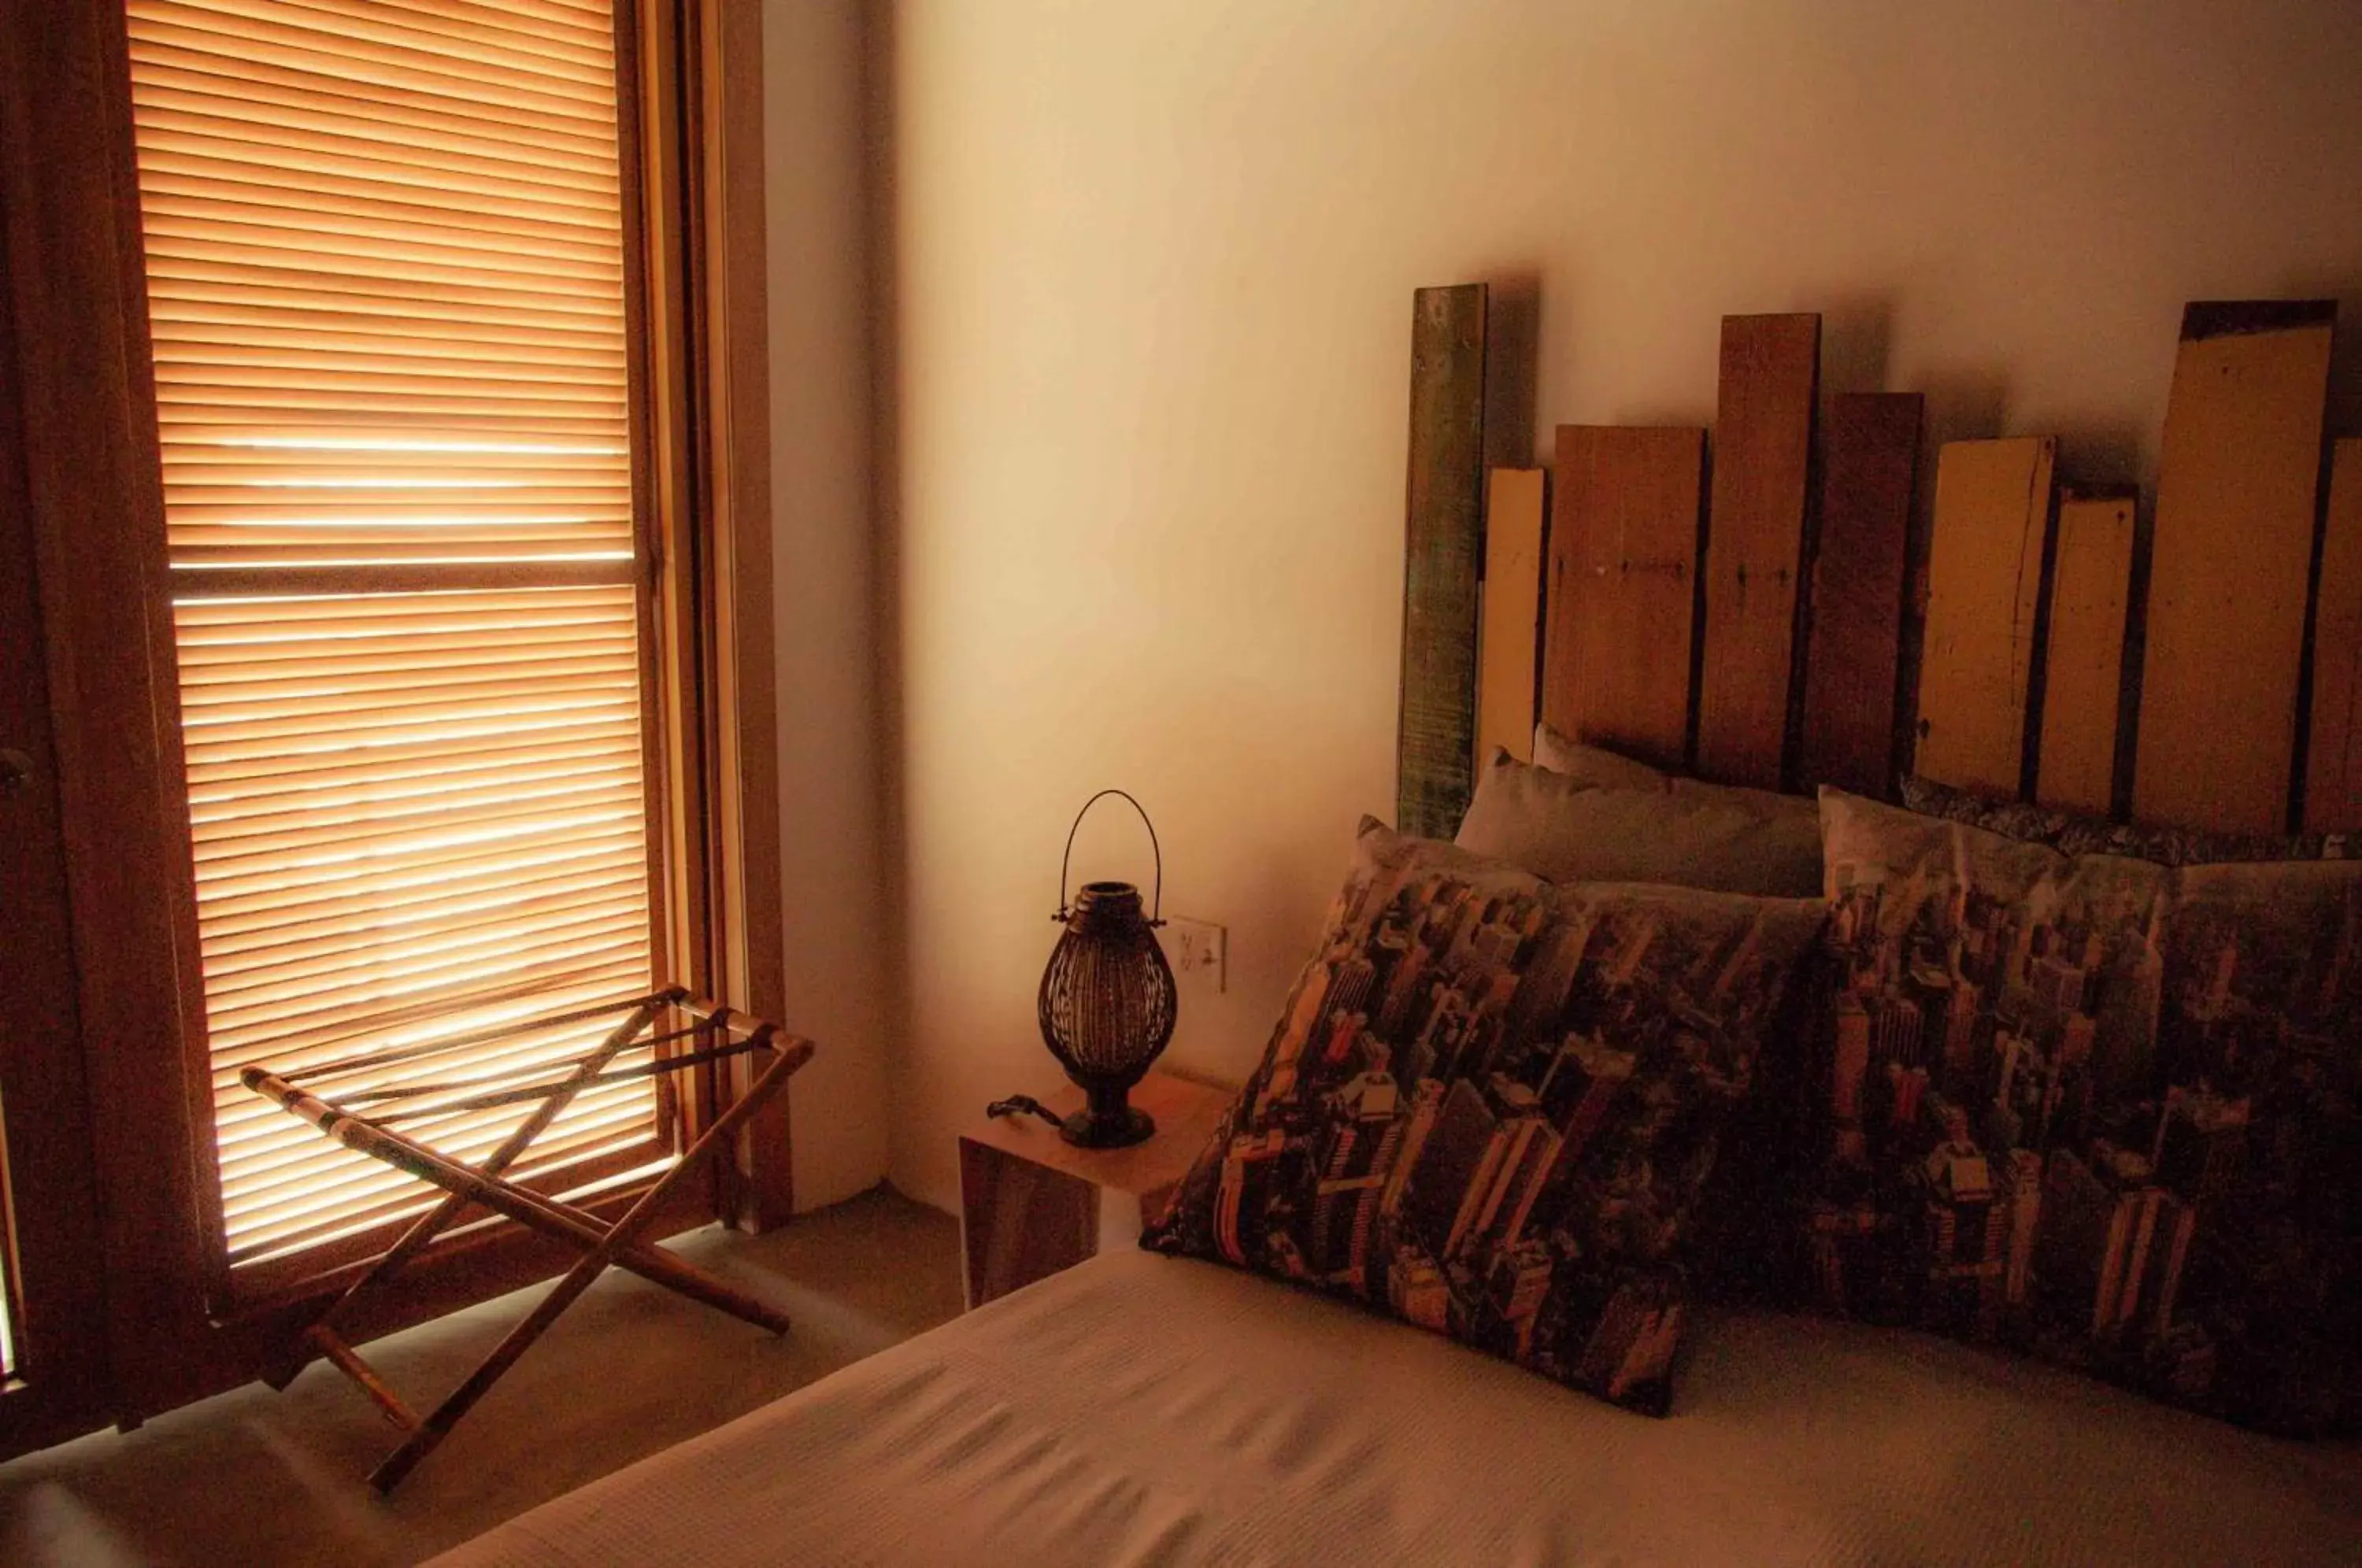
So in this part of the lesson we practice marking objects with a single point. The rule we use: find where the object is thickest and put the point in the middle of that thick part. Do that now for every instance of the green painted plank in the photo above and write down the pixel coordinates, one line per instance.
(1436, 741)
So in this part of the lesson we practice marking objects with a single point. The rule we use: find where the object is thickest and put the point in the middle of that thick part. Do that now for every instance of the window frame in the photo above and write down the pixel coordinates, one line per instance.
(690, 110)
(664, 536)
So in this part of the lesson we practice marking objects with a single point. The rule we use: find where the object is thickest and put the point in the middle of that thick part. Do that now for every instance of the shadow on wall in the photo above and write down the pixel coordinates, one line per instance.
(882, 275)
(2346, 358)
(1855, 330)
(1513, 304)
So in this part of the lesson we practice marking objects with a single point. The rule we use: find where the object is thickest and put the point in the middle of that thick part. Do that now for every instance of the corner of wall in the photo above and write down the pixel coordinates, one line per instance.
(838, 918)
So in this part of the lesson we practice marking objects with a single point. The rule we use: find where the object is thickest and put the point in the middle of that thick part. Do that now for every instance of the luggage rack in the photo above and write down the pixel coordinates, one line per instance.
(363, 1117)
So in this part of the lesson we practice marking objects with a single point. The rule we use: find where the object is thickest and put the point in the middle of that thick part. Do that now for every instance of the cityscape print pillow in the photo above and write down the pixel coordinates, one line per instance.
(2259, 1152)
(2079, 832)
(2097, 1109)
(1492, 1102)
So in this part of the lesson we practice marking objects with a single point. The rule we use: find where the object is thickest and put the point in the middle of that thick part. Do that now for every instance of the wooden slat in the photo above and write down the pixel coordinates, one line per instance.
(1623, 587)
(1436, 742)
(1513, 592)
(2091, 600)
(2232, 564)
(1994, 503)
(1870, 459)
(2333, 786)
(1756, 545)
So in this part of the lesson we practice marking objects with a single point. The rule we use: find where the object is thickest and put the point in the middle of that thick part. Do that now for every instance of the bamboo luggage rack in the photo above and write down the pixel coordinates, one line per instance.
(377, 1082)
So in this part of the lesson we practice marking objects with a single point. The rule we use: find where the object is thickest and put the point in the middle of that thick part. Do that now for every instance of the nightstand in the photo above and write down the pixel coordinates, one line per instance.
(1031, 1203)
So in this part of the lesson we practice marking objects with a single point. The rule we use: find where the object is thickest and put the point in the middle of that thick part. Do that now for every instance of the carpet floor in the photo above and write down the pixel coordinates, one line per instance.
(254, 1478)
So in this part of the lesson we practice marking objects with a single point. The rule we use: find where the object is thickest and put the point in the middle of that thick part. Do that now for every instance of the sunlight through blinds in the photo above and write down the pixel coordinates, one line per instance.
(385, 276)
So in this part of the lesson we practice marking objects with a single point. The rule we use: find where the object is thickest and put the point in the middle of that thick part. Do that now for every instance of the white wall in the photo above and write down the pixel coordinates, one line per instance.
(1150, 294)
(838, 983)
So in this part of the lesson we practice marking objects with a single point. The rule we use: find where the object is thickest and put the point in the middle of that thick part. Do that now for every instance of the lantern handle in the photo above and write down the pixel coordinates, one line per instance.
(1156, 911)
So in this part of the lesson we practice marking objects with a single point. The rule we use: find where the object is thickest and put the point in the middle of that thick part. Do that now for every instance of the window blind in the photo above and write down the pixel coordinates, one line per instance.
(385, 274)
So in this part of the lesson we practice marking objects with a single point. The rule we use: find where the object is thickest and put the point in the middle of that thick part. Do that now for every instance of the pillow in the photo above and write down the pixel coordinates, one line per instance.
(1594, 765)
(1491, 1103)
(1563, 828)
(2077, 832)
(2256, 1149)
(2097, 1109)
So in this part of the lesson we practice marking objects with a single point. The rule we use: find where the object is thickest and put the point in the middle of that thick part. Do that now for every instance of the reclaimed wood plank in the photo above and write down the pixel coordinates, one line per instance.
(2083, 663)
(1512, 628)
(1436, 738)
(1995, 502)
(2333, 786)
(2231, 566)
(1756, 546)
(1622, 608)
(1870, 463)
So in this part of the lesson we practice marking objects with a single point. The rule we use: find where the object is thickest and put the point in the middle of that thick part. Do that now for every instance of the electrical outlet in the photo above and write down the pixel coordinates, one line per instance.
(1198, 951)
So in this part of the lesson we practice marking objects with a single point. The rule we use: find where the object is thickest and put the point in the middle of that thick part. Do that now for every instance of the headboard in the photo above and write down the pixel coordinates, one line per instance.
(1788, 615)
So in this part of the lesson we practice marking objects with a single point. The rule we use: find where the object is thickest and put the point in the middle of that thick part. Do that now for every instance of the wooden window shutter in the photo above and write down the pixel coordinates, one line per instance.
(387, 287)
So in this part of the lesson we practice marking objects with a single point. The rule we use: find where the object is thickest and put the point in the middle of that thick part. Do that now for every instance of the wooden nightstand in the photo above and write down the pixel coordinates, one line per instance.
(1031, 1203)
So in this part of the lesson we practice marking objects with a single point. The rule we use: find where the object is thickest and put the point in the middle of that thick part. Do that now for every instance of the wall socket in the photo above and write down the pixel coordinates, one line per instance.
(1198, 951)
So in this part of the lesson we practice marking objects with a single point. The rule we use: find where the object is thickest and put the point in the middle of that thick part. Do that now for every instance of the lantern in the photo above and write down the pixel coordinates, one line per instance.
(1107, 1002)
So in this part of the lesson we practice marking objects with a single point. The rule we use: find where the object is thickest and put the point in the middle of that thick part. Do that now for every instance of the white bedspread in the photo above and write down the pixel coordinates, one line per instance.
(1141, 1409)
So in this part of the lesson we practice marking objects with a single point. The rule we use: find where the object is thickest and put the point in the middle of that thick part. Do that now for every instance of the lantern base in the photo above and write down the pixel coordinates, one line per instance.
(1107, 1121)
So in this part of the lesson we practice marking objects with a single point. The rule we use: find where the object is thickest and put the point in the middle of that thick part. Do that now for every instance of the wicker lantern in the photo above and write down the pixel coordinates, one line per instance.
(1107, 999)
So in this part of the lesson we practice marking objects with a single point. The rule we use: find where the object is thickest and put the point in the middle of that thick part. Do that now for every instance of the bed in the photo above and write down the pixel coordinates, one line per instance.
(1143, 1409)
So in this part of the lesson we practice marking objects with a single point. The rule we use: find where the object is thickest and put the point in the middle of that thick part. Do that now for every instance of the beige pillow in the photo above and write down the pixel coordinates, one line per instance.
(1568, 827)
(1591, 765)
